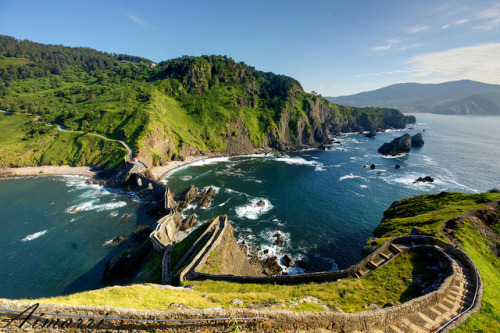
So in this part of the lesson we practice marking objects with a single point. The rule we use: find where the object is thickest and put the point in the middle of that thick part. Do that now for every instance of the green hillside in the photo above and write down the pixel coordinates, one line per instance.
(180, 107)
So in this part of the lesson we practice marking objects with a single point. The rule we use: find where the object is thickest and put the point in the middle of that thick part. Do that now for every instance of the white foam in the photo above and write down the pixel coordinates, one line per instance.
(209, 161)
(300, 161)
(363, 186)
(350, 176)
(252, 211)
(91, 205)
(34, 236)
(394, 156)
(228, 190)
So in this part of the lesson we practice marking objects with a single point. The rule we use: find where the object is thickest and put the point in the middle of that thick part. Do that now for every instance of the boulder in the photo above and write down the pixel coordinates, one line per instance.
(397, 166)
(397, 146)
(125, 218)
(115, 241)
(188, 194)
(417, 141)
(279, 239)
(237, 302)
(260, 203)
(188, 222)
(370, 134)
(206, 197)
(426, 179)
(271, 266)
(372, 166)
(287, 261)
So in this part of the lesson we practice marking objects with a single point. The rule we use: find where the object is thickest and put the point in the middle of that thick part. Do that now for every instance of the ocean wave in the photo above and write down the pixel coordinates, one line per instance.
(350, 176)
(228, 190)
(252, 211)
(92, 205)
(34, 236)
(300, 161)
(394, 156)
(363, 186)
(209, 161)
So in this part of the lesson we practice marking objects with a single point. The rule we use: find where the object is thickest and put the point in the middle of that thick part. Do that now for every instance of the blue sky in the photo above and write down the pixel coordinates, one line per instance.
(332, 47)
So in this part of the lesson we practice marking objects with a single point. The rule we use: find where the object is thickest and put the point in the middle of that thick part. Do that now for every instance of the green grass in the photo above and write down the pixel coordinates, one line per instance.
(387, 284)
(24, 142)
(429, 212)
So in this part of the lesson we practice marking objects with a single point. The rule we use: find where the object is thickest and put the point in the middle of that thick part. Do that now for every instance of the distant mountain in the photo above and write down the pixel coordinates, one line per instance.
(455, 97)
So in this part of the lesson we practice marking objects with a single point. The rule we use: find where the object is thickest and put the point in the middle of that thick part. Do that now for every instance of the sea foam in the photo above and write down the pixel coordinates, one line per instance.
(252, 211)
(34, 236)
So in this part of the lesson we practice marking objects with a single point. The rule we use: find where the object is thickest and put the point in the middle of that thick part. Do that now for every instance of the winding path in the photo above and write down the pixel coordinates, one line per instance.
(130, 152)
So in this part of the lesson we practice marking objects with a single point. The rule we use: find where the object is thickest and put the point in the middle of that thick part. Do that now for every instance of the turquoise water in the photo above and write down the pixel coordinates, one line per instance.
(326, 203)
(48, 250)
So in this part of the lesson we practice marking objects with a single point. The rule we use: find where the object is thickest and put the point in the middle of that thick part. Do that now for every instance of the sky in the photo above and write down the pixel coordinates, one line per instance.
(331, 47)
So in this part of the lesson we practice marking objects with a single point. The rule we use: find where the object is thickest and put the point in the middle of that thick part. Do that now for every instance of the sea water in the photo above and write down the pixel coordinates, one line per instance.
(52, 232)
(326, 204)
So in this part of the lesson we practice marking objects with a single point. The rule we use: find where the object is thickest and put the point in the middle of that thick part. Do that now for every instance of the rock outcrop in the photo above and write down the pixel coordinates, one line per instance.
(417, 140)
(426, 179)
(397, 146)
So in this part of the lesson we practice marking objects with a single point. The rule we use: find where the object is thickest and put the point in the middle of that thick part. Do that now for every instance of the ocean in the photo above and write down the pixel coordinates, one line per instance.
(48, 247)
(325, 204)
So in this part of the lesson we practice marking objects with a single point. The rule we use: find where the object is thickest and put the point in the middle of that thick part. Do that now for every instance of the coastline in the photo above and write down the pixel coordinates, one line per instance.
(161, 172)
(47, 170)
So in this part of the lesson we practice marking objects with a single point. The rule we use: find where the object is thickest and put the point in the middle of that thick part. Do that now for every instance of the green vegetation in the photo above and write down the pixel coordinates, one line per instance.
(27, 142)
(390, 283)
(161, 111)
(429, 212)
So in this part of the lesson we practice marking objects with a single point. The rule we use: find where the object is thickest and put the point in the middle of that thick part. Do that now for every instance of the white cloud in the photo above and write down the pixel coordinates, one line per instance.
(418, 28)
(490, 18)
(138, 20)
(462, 21)
(446, 26)
(395, 44)
(478, 62)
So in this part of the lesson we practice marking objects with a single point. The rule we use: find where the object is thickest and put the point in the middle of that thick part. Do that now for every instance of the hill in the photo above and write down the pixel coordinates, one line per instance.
(455, 97)
(177, 108)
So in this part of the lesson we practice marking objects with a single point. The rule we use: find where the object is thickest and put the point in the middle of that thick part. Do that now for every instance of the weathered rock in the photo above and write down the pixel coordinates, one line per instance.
(370, 134)
(188, 194)
(188, 222)
(373, 166)
(260, 203)
(115, 241)
(271, 266)
(397, 166)
(237, 302)
(125, 218)
(206, 197)
(397, 146)
(287, 261)
(181, 205)
(426, 179)
(279, 239)
(417, 140)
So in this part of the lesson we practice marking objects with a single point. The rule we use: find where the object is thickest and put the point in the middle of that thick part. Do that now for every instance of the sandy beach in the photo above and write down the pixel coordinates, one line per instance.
(160, 172)
(46, 170)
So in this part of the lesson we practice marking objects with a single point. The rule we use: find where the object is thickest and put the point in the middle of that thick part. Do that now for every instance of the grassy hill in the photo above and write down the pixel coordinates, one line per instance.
(173, 109)
(455, 97)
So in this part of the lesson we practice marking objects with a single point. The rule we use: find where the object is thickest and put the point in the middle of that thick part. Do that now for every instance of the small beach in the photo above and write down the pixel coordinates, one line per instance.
(47, 170)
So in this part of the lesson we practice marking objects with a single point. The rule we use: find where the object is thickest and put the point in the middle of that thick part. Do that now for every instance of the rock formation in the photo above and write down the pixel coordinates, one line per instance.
(426, 179)
(397, 146)
(417, 140)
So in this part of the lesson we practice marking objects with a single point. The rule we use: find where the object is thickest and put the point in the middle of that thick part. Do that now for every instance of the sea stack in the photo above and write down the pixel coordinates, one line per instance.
(417, 141)
(397, 146)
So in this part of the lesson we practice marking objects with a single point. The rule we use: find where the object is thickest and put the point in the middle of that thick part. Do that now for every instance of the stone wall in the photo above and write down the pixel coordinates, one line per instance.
(144, 183)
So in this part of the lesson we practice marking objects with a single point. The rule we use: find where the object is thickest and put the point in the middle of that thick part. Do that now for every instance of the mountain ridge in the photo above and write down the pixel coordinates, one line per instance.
(452, 97)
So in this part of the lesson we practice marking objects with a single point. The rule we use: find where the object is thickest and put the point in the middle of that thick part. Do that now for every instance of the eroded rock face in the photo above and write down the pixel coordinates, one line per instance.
(417, 140)
(426, 179)
(397, 146)
(287, 261)
(188, 222)
(206, 197)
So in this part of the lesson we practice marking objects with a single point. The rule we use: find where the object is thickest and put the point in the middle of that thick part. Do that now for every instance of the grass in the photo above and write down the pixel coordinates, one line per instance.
(387, 284)
(429, 212)
(24, 142)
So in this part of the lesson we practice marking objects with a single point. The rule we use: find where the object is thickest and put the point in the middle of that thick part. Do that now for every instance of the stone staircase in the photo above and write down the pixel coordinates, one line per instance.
(459, 299)
(382, 258)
